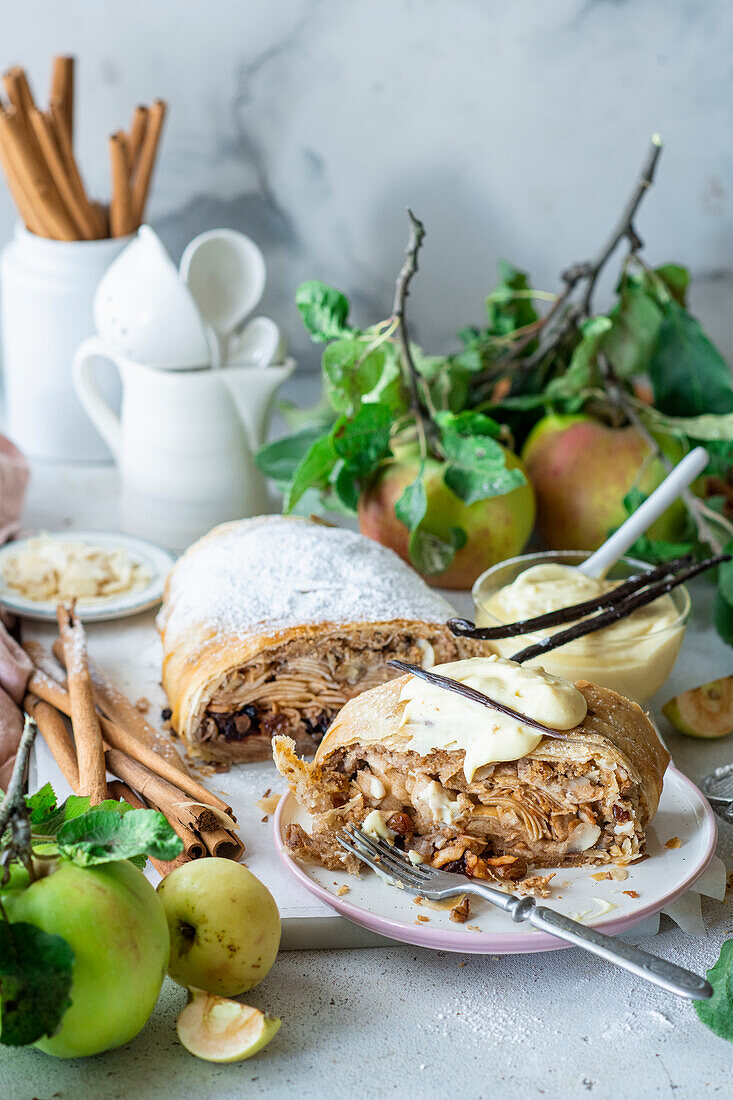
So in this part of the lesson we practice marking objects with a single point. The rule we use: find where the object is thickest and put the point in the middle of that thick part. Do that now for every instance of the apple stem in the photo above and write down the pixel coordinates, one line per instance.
(13, 810)
(402, 289)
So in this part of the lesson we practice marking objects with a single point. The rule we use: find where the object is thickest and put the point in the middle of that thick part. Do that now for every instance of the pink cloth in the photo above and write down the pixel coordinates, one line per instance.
(15, 665)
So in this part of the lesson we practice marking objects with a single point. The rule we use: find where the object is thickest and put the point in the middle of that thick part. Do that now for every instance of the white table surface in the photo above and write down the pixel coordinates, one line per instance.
(409, 1022)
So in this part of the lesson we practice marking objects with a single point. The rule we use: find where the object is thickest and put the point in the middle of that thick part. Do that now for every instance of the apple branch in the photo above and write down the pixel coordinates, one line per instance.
(13, 810)
(402, 290)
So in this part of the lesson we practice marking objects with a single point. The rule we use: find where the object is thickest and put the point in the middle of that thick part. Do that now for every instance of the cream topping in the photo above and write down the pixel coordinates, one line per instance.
(436, 718)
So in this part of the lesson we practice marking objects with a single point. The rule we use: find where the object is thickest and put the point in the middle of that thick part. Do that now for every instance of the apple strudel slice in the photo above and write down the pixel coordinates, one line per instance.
(468, 788)
(270, 625)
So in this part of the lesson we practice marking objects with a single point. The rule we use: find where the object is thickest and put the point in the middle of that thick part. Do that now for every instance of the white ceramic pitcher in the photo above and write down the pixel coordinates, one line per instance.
(184, 442)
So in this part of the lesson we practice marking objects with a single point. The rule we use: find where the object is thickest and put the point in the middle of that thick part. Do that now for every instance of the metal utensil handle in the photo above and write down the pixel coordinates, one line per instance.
(675, 979)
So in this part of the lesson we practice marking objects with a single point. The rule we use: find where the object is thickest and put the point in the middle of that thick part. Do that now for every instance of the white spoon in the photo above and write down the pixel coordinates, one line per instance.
(225, 272)
(258, 345)
(684, 473)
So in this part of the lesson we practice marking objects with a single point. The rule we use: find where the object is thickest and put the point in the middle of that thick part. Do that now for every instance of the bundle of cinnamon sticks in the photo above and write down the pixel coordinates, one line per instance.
(111, 735)
(37, 157)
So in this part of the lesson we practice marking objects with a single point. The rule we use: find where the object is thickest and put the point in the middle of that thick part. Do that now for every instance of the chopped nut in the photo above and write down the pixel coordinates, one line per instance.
(268, 803)
(342, 890)
(460, 913)
(673, 842)
(601, 875)
(631, 893)
(619, 873)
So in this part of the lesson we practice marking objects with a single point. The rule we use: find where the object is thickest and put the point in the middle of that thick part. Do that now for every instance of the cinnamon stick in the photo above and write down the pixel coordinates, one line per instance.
(121, 218)
(32, 219)
(118, 738)
(224, 844)
(137, 133)
(84, 719)
(62, 90)
(115, 705)
(122, 793)
(157, 793)
(53, 728)
(63, 138)
(44, 129)
(146, 159)
(45, 663)
(29, 165)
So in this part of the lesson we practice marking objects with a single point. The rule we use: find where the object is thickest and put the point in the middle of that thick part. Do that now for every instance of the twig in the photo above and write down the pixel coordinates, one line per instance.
(625, 225)
(13, 810)
(402, 289)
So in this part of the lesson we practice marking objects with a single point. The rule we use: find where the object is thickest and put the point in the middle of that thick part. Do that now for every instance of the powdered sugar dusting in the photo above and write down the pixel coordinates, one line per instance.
(286, 571)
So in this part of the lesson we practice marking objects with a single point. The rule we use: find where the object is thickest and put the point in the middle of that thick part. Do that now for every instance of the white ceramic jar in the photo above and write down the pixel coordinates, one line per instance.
(47, 290)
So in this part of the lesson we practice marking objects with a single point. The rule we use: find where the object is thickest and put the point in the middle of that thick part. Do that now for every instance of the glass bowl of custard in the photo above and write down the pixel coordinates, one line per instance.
(633, 656)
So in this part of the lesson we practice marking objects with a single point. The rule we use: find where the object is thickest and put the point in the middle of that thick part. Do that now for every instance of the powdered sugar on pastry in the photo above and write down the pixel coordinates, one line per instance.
(287, 571)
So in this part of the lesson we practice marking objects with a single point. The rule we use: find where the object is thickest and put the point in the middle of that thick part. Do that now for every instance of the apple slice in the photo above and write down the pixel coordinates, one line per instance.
(219, 1030)
(705, 712)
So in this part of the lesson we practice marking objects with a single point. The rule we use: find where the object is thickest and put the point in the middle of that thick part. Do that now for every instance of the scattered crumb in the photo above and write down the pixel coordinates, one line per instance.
(620, 874)
(417, 900)
(601, 875)
(422, 918)
(264, 819)
(460, 913)
(631, 893)
(142, 704)
(473, 928)
(461, 964)
(673, 842)
(341, 890)
(269, 802)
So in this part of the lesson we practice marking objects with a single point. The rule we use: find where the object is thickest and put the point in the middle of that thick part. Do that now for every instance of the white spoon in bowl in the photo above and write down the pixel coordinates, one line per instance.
(258, 345)
(225, 272)
(684, 473)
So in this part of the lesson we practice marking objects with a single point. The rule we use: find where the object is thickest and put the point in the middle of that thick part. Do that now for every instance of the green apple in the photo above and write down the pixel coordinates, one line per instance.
(224, 926)
(115, 924)
(581, 471)
(219, 1030)
(705, 712)
(496, 528)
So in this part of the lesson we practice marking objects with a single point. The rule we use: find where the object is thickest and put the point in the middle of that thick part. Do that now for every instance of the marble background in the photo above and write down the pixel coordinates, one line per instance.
(513, 129)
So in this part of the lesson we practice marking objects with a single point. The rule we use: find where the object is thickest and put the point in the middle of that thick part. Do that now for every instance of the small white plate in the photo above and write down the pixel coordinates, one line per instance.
(662, 876)
(156, 558)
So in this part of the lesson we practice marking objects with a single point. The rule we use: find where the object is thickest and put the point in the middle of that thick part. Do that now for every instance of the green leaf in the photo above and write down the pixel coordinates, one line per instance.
(688, 374)
(362, 441)
(280, 460)
(469, 423)
(476, 467)
(412, 505)
(35, 982)
(41, 803)
(717, 1012)
(100, 837)
(347, 488)
(431, 554)
(324, 310)
(676, 279)
(707, 428)
(723, 618)
(45, 825)
(635, 323)
(582, 371)
(313, 471)
(725, 576)
(509, 305)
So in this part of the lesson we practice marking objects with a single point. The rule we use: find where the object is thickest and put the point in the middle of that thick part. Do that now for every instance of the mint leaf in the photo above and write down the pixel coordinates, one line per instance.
(353, 373)
(688, 374)
(35, 982)
(469, 423)
(46, 826)
(101, 837)
(363, 441)
(313, 471)
(280, 460)
(717, 1012)
(41, 803)
(477, 467)
(324, 310)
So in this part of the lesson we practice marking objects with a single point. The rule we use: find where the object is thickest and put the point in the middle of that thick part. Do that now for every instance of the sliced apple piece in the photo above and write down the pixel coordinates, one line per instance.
(219, 1030)
(705, 712)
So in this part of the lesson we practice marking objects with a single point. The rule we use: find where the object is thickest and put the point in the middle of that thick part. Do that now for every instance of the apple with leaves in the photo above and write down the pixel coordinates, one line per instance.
(581, 471)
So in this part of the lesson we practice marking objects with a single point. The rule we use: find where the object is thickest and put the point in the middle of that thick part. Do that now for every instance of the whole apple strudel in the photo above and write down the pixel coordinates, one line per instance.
(270, 625)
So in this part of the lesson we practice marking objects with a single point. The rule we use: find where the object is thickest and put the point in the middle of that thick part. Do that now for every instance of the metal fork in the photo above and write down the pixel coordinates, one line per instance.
(426, 881)
(718, 789)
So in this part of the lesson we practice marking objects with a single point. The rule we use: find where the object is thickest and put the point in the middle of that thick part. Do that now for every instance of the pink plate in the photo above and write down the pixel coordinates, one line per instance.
(665, 875)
